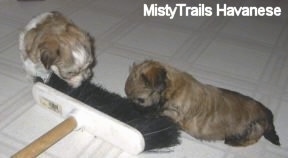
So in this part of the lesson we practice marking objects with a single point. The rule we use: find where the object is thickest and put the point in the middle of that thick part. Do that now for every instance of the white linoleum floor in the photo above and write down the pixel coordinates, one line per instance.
(246, 54)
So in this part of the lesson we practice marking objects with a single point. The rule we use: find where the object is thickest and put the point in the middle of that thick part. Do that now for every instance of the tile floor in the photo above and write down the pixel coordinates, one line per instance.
(246, 54)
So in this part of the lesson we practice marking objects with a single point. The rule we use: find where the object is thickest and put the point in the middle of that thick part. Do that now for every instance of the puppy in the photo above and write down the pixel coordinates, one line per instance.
(204, 111)
(51, 42)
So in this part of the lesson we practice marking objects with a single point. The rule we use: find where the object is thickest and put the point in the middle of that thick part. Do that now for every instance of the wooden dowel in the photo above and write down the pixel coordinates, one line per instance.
(48, 139)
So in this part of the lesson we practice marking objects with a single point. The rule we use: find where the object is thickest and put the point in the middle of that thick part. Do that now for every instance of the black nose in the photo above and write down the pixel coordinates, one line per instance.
(140, 100)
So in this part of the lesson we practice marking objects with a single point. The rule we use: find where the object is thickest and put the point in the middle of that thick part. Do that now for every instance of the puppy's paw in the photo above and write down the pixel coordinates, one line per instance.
(173, 114)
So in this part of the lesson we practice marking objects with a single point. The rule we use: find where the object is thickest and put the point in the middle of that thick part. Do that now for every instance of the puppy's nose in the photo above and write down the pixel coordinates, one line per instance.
(140, 100)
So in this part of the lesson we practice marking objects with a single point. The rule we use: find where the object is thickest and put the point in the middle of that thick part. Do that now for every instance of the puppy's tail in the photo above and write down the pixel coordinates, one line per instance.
(158, 131)
(270, 133)
(272, 136)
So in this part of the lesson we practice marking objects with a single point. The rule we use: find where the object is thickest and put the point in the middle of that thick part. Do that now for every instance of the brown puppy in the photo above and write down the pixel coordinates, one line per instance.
(51, 42)
(205, 112)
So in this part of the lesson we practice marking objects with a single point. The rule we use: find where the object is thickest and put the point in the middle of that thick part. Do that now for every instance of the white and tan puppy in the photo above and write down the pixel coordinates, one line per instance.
(204, 111)
(51, 42)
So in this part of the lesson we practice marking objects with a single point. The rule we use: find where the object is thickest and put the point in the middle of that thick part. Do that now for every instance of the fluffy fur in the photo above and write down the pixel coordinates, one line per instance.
(204, 111)
(158, 131)
(51, 42)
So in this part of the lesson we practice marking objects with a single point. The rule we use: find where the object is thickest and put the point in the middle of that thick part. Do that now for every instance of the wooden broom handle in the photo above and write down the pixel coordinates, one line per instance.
(48, 139)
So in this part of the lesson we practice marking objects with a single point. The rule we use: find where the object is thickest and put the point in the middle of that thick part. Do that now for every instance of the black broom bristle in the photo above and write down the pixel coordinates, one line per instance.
(158, 131)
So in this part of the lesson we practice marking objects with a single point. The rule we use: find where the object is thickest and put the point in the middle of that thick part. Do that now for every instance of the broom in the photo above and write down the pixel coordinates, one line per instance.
(158, 131)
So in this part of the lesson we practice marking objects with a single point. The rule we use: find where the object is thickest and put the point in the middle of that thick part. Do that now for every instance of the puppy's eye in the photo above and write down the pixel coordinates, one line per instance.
(140, 100)
(70, 73)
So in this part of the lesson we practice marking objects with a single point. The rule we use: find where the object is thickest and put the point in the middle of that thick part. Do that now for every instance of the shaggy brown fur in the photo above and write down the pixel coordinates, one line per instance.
(51, 42)
(204, 111)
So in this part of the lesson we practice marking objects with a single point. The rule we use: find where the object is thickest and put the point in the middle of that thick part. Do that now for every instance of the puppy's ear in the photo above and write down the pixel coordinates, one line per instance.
(49, 53)
(155, 78)
(29, 39)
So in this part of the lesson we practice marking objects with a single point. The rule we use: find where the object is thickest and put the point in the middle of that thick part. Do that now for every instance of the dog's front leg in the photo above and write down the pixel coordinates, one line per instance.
(172, 112)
